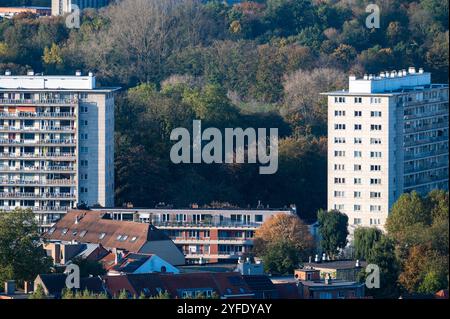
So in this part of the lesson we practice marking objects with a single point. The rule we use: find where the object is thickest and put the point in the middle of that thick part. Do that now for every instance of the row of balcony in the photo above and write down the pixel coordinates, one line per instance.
(431, 126)
(39, 142)
(411, 142)
(425, 180)
(39, 102)
(31, 115)
(425, 167)
(39, 208)
(37, 129)
(34, 155)
(37, 182)
(409, 156)
(231, 224)
(37, 169)
(34, 195)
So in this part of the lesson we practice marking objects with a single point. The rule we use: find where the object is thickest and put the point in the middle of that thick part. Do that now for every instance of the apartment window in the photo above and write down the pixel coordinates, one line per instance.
(83, 109)
(357, 181)
(258, 218)
(375, 208)
(84, 149)
(375, 194)
(339, 167)
(375, 141)
(375, 221)
(375, 168)
(339, 126)
(375, 100)
(339, 180)
(83, 176)
(375, 114)
(339, 153)
(339, 207)
(339, 193)
(84, 163)
(358, 127)
(357, 221)
(375, 127)
(83, 190)
(356, 208)
(83, 136)
(375, 181)
(358, 140)
(375, 154)
(357, 194)
(339, 140)
(358, 113)
(339, 99)
(357, 167)
(357, 153)
(358, 99)
(339, 113)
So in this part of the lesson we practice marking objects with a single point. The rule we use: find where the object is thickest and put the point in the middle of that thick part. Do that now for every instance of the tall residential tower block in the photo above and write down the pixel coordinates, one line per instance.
(56, 144)
(387, 135)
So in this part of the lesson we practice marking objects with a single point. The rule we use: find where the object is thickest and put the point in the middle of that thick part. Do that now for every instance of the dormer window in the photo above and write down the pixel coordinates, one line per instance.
(102, 235)
(133, 239)
(64, 231)
(83, 233)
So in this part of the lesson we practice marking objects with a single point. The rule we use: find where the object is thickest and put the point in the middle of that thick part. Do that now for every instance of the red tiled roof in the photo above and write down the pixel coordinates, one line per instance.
(94, 224)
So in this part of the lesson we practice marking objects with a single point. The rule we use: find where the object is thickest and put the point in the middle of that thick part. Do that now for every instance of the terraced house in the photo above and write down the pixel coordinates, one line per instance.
(56, 144)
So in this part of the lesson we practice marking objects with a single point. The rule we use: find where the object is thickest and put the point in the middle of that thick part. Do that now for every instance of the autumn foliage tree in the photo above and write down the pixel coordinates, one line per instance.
(283, 241)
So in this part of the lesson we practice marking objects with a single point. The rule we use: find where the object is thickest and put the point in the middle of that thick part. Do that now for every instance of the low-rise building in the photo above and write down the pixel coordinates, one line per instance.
(204, 235)
(141, 264)
(10, 12)
(121, 237)
(337, 269)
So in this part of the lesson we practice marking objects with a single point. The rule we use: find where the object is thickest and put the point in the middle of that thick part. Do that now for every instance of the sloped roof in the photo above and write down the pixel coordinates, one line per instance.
(55, 283)
(94, 227)
(131, 262)
(259, 282)
(153, 283)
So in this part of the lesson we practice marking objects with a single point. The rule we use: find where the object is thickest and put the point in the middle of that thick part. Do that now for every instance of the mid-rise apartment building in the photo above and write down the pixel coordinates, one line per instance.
(56, 144)
(387, 135)
(61, 7)
(204, 235)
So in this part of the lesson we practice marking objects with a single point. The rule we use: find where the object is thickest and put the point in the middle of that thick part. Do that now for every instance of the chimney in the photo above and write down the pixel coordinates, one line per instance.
(91, 74)
(78, 73)
(28, 287)
(316, 258)
(310, 259)
(412, 70)
(420, 70)
(352, 77)
(366, 77)
(10, 287)
(30, 72)
(8, 72)
(357, 263)
(324, 257)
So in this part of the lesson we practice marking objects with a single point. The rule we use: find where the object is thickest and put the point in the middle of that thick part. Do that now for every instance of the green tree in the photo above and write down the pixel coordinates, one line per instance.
(333, 231)
(22, 257)
(39, 293)
(364, 240)
(383, 255)
(281, 257)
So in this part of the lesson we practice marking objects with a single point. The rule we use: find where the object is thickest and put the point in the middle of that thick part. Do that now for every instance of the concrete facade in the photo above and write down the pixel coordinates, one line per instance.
(56, 144)
(387, 135)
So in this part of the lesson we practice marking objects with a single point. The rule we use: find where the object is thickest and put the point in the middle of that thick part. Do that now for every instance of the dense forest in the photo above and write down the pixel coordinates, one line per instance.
(254, 64)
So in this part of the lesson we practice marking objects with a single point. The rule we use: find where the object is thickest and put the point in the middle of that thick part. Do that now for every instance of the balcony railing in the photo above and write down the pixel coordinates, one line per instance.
(37, 115)
(37, 182)
(33, 168)
(33, 195)
(430, 166)
(41, 101)
(409, 156)
(205, 224)
(37, 129)
(33, 155)
(39, 208)
(39, 142)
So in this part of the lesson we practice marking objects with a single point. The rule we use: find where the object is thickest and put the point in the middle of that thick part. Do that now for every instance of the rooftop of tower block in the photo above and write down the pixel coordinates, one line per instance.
(388, 82)
(38, 81)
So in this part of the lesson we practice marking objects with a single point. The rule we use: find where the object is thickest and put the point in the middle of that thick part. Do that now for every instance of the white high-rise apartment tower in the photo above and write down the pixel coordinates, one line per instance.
(387, 135)
(56, 144)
